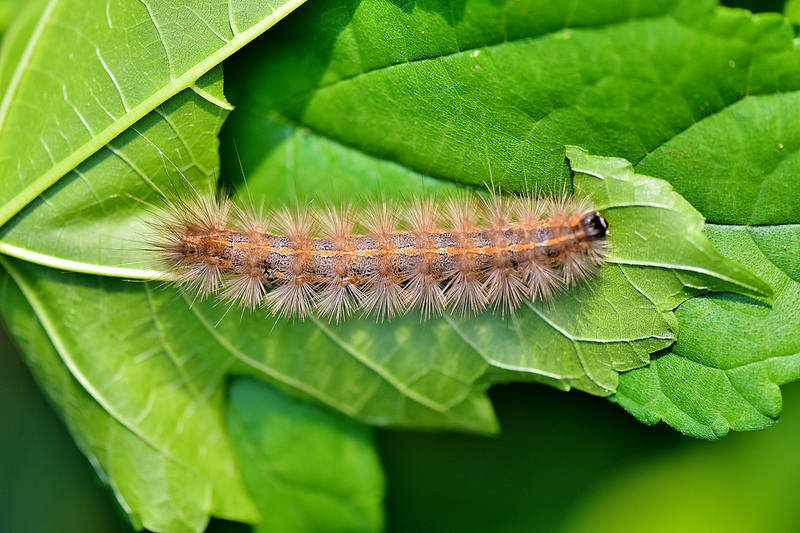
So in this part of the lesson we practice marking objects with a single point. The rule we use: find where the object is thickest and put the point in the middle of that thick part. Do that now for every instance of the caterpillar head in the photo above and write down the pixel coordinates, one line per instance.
(594, 225)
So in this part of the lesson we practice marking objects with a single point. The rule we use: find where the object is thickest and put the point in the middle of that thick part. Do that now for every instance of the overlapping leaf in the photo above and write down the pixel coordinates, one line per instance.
(138, 407)
(309, 469)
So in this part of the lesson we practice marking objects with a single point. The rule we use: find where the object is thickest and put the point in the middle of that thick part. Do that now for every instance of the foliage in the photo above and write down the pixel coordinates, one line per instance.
(345, 99)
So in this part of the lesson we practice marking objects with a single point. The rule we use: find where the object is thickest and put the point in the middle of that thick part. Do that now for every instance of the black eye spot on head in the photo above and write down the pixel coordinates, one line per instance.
(594, 225)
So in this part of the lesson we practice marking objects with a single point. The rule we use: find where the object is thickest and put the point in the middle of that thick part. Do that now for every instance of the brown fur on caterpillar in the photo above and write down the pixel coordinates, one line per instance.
(461, 254)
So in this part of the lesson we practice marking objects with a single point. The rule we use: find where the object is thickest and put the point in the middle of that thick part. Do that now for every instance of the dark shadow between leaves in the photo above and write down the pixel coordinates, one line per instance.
(551, 446)
(733, 298)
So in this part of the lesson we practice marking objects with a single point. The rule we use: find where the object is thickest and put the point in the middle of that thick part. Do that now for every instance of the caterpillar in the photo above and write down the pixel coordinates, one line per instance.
(460, 254)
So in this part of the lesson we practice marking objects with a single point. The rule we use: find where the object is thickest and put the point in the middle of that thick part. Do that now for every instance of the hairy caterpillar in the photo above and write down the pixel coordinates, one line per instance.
(459, 253)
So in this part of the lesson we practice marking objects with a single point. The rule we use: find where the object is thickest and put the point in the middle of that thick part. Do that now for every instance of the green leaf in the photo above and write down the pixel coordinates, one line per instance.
(146, 411)
(738, 166)
(732, 353)
(16, 17)
(496, 90)
(309, 468)
(94, 219)
(792, 11)
(432, 374)
(654, 226)
(63, 103)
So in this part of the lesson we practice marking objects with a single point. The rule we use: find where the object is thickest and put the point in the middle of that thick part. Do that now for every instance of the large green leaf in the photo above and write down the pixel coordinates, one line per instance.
(144, 362)
(457, 92)
(703, 97)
